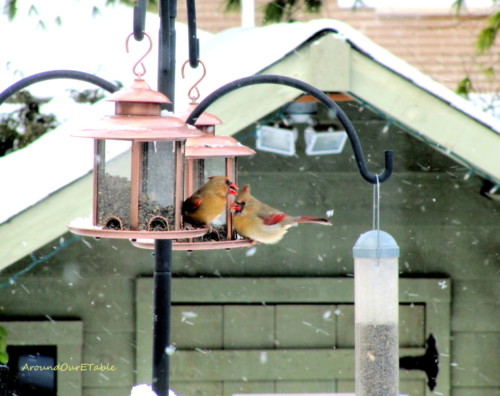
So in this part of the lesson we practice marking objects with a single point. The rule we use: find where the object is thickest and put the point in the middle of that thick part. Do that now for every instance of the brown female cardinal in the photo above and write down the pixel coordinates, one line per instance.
(209, 201)
(255, 220)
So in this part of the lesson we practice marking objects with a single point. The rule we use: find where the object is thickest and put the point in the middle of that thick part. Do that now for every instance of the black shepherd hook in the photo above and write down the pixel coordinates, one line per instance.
(54, 74)
(194, 45)
(318, 94)
(139, 20)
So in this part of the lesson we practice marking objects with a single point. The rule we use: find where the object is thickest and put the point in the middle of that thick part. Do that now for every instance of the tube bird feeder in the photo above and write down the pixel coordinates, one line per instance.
(376, 304)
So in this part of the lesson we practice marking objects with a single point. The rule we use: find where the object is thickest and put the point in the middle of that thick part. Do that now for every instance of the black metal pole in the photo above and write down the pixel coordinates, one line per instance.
(166, 55)
(163, 247)
(161, 324)
(4, 380)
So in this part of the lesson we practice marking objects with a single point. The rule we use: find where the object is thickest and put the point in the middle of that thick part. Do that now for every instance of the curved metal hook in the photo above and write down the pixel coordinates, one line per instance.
(194, 44)
(139, 20)
(134, 68)
(55, 74)
(318, 94)
(194, 92)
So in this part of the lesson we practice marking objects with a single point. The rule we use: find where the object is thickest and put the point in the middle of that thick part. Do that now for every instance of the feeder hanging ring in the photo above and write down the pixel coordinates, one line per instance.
(139, 62)
(194, 92)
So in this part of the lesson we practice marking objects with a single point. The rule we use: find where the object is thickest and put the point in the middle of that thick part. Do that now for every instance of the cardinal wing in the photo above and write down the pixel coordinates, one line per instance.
(273, 218)
(191, 204)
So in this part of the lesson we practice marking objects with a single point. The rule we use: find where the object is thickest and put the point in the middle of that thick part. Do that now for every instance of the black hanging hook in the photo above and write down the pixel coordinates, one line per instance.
(318, 94)
(140, 20)
(194, 45)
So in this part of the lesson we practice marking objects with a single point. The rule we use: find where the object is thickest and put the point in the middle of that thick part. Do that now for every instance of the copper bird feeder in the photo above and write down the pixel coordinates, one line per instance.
(209, 155)
(138, 169)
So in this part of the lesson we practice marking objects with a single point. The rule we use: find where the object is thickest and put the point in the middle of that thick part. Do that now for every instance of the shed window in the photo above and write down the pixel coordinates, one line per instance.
(44, 357)
(32, 370)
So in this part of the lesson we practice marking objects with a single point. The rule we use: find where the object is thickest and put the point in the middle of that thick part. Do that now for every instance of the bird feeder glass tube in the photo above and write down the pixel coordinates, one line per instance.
(138, 169)
(376, 305)
(136, 190)
(112, 184)
(159, 187)
(198, 171)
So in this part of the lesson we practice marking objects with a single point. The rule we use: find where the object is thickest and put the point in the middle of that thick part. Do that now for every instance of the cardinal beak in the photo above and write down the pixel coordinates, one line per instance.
(236, 207)
(233, 189)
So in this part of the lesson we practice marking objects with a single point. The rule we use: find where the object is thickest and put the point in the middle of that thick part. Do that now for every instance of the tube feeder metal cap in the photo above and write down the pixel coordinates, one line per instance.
(375, 244)
(205, 119)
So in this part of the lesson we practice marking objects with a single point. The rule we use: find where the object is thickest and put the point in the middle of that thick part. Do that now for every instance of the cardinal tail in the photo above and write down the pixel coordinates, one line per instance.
(312, 219)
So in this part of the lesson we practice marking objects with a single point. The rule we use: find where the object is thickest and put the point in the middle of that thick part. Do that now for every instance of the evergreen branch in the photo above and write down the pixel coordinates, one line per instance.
(487, 36)
(232, 5)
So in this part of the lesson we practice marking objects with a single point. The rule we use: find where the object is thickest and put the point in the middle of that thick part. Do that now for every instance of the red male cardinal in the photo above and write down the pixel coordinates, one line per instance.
(209, 202)
(255, 220)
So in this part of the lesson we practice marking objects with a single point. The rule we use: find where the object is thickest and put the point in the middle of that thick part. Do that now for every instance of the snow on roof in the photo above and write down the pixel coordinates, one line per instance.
(57, 159)
(53, 161)
(252, 50)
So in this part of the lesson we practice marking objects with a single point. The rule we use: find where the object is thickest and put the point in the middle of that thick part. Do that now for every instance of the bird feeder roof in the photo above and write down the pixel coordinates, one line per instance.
(140, 128)
(216, 146)
(205, 119)
(138, 117)
(139, 91)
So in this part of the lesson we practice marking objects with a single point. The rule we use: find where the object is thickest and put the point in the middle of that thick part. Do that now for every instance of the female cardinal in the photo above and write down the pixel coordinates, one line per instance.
(262, 223)
(209, 201)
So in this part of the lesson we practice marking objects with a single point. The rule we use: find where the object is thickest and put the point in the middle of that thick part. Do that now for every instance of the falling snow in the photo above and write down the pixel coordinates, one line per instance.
(170, 350)
(251, 251)
(188, 315)
(442, 284)
(72, 275)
